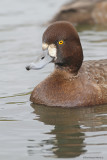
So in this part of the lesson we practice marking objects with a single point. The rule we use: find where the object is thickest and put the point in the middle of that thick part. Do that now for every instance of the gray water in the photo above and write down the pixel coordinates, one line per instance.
(36, 132)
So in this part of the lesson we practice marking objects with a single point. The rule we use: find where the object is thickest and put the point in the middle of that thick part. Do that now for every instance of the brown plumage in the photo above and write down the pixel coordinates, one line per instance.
(83, 12)
(71, 84)
(87, 88)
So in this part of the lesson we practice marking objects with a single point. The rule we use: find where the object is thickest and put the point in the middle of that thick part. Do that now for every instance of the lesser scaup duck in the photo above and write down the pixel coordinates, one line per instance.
(84, 12)
(72, 83)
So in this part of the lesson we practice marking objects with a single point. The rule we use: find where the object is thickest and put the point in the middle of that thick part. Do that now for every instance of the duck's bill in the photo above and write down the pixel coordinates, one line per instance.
(40, 63)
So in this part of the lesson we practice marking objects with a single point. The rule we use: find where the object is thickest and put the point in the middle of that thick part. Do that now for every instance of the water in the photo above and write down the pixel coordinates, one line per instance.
(36, 132)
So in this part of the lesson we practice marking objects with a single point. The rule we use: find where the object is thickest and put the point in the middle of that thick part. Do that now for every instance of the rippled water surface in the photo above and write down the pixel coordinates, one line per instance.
(36, 132)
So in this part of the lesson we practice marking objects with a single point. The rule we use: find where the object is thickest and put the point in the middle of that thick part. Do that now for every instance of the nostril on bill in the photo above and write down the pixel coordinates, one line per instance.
(42, 57)
(27, 68)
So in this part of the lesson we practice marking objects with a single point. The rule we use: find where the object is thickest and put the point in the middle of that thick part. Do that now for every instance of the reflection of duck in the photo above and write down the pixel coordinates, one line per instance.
(68, 141)
(84, 12)
(71, 128)
(70, 84)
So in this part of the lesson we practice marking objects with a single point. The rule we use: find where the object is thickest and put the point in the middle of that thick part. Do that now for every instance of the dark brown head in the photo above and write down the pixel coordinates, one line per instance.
(64, 48)
(64, 45)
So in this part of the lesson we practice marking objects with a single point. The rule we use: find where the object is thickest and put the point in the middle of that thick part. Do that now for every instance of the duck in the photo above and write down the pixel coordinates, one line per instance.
(74, 82)
(83, 12)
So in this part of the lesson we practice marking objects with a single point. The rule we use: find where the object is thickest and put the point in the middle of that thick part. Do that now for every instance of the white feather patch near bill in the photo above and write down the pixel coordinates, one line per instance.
(52, 50)
(44, 46)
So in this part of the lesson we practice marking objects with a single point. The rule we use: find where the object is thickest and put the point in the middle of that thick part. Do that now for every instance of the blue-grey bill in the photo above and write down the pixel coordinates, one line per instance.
(40, 63)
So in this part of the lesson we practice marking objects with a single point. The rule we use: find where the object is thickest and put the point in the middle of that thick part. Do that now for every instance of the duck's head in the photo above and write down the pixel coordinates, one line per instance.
(62, 46)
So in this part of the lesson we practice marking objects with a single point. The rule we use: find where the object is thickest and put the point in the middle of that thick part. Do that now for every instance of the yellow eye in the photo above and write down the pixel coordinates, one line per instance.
(61, 42)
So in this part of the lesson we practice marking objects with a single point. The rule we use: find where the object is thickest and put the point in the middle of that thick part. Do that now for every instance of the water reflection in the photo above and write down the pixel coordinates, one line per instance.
(70, 126)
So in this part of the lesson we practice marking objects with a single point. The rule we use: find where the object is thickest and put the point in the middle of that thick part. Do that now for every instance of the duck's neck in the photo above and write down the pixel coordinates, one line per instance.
(70, 70)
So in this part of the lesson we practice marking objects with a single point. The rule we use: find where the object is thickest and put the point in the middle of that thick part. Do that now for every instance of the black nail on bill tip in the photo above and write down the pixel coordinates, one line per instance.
(27, 68)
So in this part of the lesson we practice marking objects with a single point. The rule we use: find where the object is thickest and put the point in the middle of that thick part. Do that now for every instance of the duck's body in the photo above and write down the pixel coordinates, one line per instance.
(87, 88)
(73, 83)
(84, 12)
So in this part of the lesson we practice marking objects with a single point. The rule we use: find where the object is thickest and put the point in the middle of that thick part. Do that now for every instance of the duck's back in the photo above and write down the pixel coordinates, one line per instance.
(96, 71)
(87, 88)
